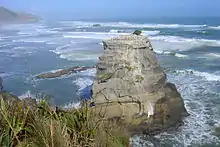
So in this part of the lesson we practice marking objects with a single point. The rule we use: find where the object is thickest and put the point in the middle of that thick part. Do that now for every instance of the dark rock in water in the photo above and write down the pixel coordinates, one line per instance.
(132, 86)
(96, 25)
(62, 72)
(1, 84)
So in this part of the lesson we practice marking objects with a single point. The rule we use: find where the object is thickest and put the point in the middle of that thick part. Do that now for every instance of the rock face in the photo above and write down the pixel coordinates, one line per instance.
(131, 85)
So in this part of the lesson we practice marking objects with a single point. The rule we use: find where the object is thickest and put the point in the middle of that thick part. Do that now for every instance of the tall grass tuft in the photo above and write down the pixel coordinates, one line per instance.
(44, 126)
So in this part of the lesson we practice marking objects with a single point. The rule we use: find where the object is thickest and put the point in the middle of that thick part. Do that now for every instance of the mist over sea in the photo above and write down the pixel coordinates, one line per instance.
(187, 48)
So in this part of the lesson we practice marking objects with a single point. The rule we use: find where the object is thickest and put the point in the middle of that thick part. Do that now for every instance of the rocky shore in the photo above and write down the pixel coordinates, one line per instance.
(132, 86)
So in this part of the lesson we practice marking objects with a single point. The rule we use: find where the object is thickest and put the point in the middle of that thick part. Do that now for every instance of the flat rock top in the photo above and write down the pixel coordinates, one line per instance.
(136, 41)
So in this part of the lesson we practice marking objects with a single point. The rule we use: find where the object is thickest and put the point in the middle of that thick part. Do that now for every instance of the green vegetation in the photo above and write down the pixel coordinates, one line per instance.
(130, 68)
(137, 32)
(104, 77)
(44, 126)
(139, 78)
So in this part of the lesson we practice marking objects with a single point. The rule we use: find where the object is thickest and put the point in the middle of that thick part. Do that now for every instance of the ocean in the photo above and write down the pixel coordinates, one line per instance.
(187, 48)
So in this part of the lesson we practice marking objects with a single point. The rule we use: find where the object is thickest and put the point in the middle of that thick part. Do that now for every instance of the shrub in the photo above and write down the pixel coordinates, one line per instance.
(137, 32)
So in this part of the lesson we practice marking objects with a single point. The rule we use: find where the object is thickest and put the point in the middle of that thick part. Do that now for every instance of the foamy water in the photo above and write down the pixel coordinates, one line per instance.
(205, 75)
(27, 94)
(216, 55)
(128, 25)
(86, 79)
(214, 27)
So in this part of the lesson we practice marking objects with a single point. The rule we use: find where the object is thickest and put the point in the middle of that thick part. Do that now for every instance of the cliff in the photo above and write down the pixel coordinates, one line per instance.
(132, 86)
(8, 16)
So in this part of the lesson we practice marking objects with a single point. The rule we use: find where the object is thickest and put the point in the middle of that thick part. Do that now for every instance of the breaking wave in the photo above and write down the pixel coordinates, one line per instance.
(27, 94)
(207, 76)
(214, 27)
(171, 43)
(128, 25)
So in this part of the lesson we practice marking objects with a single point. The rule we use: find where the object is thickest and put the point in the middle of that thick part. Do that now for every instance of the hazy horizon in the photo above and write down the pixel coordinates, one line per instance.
(113, 9)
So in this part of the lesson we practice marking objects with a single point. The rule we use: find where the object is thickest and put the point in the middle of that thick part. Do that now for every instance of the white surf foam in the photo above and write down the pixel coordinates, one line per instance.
(215, 55)
(76, 53)
(36, 40)
(86, 78)
(4, 75)
(150, 33)
(72, 105)
(128, 25)
(154, 32)
(92, 35)
(116, 31)
(160, 42)
(181, 55)
(89, 72)
(199, 100)
(82, 83)
(172, 43)
(214, 27)
(80, 56)
(205, 75)
(27, 94)
(178, 39)
(172, 53)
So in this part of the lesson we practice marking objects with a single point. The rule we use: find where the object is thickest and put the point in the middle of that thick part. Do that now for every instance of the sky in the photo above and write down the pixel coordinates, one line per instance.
(87, 9)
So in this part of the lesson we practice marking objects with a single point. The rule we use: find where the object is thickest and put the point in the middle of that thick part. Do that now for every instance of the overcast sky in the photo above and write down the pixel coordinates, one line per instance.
(115, 8)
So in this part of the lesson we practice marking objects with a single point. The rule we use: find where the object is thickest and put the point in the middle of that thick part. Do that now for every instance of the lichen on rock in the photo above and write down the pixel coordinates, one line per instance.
(138, 93)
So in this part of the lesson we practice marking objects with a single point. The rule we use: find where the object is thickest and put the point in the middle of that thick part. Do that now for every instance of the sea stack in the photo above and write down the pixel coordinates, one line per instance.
(131, 85)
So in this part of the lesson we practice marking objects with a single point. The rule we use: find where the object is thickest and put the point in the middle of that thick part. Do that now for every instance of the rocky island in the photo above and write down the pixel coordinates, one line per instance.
(132, 86)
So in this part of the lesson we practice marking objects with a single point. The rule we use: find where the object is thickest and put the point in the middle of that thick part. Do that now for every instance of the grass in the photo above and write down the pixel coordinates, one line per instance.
(105, 77)
(44, 126)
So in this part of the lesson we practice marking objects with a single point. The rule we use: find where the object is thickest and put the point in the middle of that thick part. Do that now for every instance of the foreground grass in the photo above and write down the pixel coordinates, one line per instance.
(42, 126)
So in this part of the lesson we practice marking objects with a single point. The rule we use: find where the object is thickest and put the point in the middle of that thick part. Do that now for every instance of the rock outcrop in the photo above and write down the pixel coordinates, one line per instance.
(132, 86)
(1, 85)
(62, 72)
